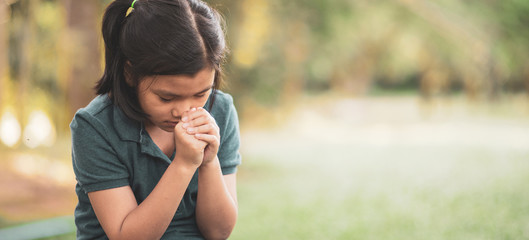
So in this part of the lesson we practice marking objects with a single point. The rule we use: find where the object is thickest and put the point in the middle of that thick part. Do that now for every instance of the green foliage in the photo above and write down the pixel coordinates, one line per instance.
(282, 48)
(326, 45)
(387, 42)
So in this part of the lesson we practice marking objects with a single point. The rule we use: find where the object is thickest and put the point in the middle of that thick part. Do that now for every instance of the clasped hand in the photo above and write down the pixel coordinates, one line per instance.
(197, 137)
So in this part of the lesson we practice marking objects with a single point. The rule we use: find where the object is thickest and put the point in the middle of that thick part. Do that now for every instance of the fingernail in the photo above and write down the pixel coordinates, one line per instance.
(190, 129)
(193, 109)
(185, 125)
(184, 119)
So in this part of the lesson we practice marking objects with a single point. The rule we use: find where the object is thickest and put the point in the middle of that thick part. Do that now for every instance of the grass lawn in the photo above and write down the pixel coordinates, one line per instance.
(386, 193)
(361, 172)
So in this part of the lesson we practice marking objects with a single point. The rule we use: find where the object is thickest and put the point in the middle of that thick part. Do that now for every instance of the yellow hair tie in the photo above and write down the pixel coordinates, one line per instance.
(130, 8)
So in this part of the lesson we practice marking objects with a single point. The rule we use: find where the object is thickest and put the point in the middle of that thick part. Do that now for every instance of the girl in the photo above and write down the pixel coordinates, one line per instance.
(155, 153)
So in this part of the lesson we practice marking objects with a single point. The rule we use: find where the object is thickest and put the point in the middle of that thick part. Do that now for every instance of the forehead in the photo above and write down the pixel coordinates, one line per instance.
(180, 84)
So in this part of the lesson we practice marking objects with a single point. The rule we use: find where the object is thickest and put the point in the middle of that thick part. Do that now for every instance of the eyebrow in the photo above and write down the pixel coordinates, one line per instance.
(166, 93)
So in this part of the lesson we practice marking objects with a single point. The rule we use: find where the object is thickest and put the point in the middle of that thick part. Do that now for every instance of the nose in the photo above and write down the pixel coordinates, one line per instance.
(174, 113)
(179, 108)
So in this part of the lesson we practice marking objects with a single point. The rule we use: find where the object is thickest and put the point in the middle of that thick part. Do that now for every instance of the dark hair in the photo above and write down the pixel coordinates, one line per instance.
(159, 37)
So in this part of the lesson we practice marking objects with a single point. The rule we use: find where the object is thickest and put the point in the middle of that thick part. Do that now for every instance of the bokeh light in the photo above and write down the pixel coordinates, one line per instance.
(10, 130)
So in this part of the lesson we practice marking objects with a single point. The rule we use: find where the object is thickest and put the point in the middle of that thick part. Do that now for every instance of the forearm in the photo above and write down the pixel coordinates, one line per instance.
(216, 210)
(151, 218)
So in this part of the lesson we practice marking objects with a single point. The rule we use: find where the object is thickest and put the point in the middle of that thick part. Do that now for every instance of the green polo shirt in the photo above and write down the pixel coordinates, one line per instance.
(110, 150)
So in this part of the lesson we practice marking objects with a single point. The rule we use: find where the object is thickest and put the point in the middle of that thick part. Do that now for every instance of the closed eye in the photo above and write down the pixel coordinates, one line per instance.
(165, 99)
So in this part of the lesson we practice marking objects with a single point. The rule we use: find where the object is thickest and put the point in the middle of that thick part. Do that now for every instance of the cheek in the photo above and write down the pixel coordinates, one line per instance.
(201, 102)
(152, 107)
(157, 111)
(144, 100)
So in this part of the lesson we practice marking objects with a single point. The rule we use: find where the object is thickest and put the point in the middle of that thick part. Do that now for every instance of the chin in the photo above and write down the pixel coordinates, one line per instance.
(167, 126)
(167, 129)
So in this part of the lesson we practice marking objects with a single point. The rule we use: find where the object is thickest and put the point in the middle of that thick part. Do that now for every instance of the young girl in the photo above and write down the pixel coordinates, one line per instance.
(156, 152)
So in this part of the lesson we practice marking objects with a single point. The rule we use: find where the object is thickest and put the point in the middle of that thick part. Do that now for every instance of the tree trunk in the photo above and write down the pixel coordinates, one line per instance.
(25, 56)
(81, 47)
(4, 18)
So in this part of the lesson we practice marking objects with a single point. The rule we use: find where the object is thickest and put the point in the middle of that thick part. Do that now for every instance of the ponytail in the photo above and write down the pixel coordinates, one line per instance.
(111, 29)
(113, 80)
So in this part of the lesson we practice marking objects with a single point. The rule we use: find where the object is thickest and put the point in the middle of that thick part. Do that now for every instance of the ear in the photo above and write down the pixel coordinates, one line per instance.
(128, 75)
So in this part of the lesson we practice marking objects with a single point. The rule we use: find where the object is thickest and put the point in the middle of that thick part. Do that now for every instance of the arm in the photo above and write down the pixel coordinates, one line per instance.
(121, 217)
(118, 212)
(216, 209)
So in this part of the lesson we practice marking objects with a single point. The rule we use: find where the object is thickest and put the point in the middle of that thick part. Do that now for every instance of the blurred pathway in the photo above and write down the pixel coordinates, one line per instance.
(24, 197)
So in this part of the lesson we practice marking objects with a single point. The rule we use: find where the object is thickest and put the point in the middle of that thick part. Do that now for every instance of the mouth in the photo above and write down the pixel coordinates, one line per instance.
(172, 123)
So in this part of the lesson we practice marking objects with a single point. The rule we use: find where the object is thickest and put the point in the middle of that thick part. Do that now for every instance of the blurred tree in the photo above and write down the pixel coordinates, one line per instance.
(22, 39)
(510, 19)
(464, 35)
(431, 48)
(279, 49)
(4, 18)
(81, 51)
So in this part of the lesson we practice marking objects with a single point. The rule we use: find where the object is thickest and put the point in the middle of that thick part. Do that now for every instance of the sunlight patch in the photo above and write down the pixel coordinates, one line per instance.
(39, 130)
(9, 129)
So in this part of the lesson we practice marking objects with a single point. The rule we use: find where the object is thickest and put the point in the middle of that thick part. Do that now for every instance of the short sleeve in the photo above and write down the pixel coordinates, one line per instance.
(228, 154)
(95, 162)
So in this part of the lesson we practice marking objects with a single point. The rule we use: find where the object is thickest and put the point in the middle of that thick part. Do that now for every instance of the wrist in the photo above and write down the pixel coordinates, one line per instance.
(184, 165)
(214, 163)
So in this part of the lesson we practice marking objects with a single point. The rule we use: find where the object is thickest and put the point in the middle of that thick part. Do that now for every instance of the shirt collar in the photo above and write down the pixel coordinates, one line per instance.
(132, 130)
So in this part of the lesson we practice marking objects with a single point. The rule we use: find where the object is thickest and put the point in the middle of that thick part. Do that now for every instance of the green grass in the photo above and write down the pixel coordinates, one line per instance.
(388, 168)
(431, 194)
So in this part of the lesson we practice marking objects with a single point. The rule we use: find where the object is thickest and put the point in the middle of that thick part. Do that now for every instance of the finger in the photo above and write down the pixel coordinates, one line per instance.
(197, 112)
(208, 128)
(182, 138)
(197, 122)
(210, 139)
(186, 117)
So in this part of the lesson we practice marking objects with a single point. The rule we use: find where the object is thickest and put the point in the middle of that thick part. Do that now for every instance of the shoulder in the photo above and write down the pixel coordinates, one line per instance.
(222, 107)
(222, 101)
(107, 119)
(98, 105)
(97, 112)
(225, 114)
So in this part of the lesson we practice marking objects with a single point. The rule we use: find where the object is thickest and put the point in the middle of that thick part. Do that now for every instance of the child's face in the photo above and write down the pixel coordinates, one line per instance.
(166, 97)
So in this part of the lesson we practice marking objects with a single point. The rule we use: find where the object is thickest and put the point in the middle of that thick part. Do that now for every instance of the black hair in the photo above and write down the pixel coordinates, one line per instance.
(159, 37)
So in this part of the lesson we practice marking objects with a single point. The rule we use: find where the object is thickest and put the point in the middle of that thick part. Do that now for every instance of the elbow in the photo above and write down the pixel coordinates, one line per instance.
(218, 234)
(217, 228)
(218, 231)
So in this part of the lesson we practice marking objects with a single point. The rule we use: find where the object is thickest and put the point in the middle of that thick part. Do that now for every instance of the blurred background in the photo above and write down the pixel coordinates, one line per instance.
(404, 119)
